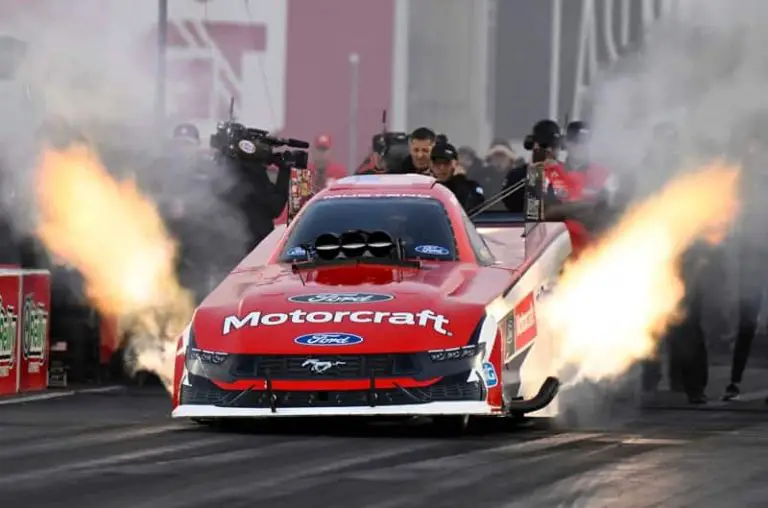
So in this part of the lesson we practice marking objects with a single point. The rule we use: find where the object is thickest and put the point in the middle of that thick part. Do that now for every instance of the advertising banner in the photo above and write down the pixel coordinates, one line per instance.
(34, 346)
(10, 288)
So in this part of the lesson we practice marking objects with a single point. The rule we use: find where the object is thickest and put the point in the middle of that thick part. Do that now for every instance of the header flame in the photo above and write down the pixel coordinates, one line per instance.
(612, 304)
(115, 238)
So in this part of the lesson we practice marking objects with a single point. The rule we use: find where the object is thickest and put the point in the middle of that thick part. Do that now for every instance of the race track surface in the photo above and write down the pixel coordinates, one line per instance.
(120, 450)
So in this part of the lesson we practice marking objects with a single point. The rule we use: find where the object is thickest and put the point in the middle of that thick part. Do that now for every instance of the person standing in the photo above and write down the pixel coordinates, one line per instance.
(322, 164)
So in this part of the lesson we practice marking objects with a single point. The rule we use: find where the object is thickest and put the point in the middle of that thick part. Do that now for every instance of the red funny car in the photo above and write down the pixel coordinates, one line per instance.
(381, 298)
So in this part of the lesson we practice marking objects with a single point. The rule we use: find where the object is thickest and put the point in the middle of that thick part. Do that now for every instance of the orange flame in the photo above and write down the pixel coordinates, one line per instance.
(611, 305)
(116, 239)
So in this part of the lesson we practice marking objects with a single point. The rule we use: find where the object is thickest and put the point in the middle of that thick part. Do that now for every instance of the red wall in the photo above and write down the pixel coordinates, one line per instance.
(321, 34)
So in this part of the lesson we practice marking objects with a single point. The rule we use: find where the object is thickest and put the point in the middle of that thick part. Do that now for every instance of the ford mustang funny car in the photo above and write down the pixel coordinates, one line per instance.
(381, 298)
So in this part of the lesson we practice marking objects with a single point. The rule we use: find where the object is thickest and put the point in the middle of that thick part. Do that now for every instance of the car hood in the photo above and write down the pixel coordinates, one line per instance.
(343, 310)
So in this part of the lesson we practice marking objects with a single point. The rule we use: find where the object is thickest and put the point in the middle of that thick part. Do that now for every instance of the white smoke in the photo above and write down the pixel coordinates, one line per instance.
(87, 66)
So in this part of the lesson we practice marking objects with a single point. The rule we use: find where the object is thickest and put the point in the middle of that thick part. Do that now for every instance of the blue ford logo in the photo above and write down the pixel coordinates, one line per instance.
(341, 298)
(432, 250)
(328, 339)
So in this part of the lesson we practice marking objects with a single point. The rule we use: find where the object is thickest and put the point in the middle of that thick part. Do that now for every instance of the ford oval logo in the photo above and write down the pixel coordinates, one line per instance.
(341, 298)
(432, 250)
(328, 339)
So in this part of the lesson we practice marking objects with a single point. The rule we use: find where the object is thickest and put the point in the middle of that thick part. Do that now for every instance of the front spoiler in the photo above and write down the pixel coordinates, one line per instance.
(547, 393)
(426, 409)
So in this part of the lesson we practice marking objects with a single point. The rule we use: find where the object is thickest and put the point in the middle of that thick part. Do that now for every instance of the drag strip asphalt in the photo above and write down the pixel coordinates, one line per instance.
(120, 449)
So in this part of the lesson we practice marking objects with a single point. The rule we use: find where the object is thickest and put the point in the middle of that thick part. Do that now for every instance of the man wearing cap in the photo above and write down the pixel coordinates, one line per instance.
(324, 169)
(564, 191)
(445, 168)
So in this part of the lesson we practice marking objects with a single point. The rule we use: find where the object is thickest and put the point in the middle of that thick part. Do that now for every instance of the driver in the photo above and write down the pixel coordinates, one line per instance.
(446, 169)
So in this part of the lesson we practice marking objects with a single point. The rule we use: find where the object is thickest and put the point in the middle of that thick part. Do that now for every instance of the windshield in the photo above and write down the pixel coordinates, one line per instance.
(421, 223)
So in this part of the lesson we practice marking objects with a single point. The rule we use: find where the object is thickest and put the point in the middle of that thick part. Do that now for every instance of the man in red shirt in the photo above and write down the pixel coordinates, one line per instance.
(593, 178)
(576, 188)
(324, 169)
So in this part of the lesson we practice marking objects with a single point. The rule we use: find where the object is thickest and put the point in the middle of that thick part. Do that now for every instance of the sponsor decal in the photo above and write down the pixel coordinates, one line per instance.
(35, 326)
(432, 250)
(8, 327)
(525, 322)
(296, 252)
(247, 146)
(328, 339)
(338, 298)
(425, 318)
(491, 379)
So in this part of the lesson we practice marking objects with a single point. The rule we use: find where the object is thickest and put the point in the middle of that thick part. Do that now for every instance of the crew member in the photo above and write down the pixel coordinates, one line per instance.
(372, 164)
(751, 243)
(445, 167)
(420, 143)
(689, 365)
(563, 190)
(597, 182)
(324, 169)
(388, 151)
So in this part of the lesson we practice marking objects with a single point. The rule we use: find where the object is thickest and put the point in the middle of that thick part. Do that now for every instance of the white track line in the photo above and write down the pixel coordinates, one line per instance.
(35, 397)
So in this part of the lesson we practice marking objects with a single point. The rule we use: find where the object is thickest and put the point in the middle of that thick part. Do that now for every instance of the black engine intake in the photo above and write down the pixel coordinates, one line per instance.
(354, 244)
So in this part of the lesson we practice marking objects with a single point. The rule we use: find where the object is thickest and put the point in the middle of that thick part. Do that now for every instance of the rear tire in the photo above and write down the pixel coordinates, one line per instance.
(451, 425)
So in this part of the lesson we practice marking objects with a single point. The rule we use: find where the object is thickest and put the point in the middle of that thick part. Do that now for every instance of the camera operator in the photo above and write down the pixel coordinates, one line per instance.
(247, 153)
(253, 193)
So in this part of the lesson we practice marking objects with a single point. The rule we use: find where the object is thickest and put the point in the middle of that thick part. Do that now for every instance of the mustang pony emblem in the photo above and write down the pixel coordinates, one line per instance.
(318, 367)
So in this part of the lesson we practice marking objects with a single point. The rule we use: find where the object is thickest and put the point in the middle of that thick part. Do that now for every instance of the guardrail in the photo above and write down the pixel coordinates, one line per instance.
(25, 302)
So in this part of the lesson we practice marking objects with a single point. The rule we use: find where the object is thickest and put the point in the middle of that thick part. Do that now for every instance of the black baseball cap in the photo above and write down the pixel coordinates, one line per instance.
(577, 132)
(546, 133)
(444, 151)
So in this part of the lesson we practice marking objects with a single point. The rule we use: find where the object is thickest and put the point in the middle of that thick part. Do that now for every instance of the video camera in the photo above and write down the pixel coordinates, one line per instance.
(236, 141)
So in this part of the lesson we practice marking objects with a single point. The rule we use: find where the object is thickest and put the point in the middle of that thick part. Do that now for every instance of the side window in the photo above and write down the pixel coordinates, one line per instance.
(483, 253)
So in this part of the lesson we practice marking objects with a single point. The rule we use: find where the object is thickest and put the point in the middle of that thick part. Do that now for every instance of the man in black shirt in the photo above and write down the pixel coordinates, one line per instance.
(445, 168)
(420, 144)
(750, 144)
